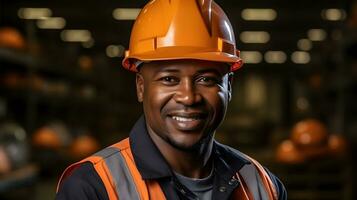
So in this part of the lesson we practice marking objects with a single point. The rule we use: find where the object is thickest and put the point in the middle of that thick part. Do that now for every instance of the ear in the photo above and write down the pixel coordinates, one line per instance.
(230, 83)
(139, 87)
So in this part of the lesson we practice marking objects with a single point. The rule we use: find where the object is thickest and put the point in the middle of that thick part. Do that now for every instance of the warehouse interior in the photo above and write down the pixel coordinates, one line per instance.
(64, 94)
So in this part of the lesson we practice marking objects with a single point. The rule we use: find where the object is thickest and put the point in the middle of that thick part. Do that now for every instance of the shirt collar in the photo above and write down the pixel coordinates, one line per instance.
(152, 165)
(233, 158)
(148, 159)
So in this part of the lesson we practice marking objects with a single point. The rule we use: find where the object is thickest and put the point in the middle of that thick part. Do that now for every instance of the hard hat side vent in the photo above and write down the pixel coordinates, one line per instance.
(155, 43)
(206, 12)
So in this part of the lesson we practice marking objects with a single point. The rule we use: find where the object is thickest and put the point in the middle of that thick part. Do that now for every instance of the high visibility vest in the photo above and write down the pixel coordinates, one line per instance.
(116, 167)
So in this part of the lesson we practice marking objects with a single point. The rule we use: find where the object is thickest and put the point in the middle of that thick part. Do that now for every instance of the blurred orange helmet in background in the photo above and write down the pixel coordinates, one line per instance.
(54, 135)
(309, 133)
(46, 137)
(11, 38)
(337, 144)
(83, 146)
(182, 29)
(288, 153)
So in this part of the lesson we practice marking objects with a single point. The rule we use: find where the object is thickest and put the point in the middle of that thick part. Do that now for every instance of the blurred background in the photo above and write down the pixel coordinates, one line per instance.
(64, 94)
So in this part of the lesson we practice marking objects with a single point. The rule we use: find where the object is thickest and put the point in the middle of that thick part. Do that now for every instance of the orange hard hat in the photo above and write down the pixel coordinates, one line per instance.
(11, 38)
(46, 137)
(337, 144)
(288, 153)
(182, 29)
(54, 135)
(83, 146)
(309, 133)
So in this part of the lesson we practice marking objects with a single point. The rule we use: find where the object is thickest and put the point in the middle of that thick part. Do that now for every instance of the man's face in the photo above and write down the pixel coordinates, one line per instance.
(184, 100)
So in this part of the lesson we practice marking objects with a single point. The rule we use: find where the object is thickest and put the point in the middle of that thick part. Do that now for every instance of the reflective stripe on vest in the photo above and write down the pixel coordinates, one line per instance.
(116, 167)
(123, 180)
(256, 183)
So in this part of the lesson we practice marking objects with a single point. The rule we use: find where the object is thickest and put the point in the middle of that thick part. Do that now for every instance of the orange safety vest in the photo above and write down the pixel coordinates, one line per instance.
(116, 167)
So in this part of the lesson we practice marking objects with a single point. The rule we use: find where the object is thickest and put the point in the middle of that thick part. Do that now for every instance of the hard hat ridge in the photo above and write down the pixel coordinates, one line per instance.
(206, 11)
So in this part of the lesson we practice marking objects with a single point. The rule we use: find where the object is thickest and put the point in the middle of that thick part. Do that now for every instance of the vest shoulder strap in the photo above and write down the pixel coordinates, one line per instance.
(98, 161)
(256, 183)
(116, 167)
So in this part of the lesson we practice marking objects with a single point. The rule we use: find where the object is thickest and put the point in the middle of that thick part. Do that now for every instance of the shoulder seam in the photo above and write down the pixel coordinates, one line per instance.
(102, 158)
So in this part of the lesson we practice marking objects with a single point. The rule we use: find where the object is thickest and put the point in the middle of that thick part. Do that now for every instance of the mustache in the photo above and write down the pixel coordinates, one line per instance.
(186, 111)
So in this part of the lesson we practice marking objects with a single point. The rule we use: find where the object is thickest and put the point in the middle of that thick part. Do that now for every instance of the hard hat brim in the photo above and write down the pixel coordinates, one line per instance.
(129, 61)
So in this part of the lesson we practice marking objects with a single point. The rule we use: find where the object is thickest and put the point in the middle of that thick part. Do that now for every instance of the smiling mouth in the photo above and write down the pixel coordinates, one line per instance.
(187, 116)
(185, 119)
(188, 121)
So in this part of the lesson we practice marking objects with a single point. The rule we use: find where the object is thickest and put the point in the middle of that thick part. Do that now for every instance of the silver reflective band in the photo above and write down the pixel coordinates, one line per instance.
(124, 182)
(254, 182)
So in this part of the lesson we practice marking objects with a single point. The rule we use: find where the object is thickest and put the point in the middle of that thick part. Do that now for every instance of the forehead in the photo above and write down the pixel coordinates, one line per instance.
(184, 66)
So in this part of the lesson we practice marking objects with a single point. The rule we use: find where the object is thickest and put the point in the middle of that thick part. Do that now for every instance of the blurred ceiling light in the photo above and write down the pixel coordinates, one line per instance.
(300, 57)
(88, 44)
(259, 14)
(333, 14)
(304, 44)
(115, 51)
(51, 23)
(76, 35)
(254, 37)
(275, 57)
(255, 91)
(251, 57)
(126, 13)
(316, 34)
(34, 13)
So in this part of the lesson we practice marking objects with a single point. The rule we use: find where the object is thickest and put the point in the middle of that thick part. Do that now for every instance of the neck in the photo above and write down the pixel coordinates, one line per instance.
(194, 163)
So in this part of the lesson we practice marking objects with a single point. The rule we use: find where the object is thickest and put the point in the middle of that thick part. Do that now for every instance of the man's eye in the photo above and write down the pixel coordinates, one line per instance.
(169, 80)
(208, 80)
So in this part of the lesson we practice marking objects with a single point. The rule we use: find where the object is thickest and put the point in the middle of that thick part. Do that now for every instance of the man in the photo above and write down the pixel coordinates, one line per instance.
(184, 54)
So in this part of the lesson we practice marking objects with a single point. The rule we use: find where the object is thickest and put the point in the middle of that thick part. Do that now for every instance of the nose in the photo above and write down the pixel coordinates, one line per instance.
(186, 94)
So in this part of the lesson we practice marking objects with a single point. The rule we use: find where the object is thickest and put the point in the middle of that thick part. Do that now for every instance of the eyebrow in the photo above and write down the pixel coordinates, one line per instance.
(167, 70)
(215, 71)
(201, 71)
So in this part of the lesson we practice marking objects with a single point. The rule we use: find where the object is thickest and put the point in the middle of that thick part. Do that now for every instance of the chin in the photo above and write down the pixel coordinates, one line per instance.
(185, 146)
(191, 145)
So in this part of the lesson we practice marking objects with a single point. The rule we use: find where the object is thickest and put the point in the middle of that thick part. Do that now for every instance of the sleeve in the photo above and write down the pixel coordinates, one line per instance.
(83, 184)
(280, 188)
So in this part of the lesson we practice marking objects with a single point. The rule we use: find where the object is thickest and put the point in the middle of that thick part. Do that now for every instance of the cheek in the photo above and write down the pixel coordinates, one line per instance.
(217, 102)
(155, 99)
(221, 104)
(218, 99)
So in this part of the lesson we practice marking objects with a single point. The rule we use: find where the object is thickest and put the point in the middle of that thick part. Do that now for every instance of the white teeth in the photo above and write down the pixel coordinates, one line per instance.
(183, 119)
